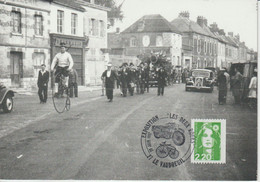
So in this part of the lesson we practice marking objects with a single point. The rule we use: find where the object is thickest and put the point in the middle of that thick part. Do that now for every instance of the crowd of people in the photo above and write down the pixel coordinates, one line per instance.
(235, 84)
(130, 78)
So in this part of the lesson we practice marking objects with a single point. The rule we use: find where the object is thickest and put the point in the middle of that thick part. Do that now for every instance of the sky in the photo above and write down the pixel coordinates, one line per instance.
(237, 16)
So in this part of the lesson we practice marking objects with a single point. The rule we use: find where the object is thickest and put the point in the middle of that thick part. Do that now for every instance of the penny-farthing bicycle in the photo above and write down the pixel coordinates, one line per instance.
(60, 93)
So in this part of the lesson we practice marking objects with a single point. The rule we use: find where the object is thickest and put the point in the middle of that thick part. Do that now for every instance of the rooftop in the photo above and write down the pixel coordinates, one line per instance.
(151, 23)
(70, 4)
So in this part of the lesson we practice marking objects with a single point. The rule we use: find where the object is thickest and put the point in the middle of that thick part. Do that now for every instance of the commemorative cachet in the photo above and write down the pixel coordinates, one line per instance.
(210, 141)
(166, 141)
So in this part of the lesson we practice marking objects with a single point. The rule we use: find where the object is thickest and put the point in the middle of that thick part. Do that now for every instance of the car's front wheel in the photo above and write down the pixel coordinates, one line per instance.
(8, 104)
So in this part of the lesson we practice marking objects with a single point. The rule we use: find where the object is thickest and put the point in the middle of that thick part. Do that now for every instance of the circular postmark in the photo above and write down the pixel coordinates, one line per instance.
(166, 141)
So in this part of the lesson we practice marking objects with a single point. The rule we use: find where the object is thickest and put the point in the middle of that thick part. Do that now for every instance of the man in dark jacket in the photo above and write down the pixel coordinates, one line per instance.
(43, 79)
(109, 75)
(73, 82)
(131, 79)
(222, 87)
(161, 76)
(124, 77)
(147, 76)
(142, 77)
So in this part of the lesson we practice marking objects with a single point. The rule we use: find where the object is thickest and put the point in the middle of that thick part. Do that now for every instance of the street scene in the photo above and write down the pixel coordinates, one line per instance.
(88, 142)
(125, 90)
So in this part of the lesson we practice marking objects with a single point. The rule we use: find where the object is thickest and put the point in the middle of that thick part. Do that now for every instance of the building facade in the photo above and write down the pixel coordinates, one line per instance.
(199, 44)
(25, 43)
(67, 20)
(152, 33)
(95, 28)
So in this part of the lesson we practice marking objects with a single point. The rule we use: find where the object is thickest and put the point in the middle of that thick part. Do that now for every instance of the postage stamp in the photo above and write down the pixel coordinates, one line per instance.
(166, 141)
(210, 141)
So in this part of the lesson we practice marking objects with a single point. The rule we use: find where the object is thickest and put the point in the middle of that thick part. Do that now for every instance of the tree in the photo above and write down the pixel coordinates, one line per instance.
(115, 13)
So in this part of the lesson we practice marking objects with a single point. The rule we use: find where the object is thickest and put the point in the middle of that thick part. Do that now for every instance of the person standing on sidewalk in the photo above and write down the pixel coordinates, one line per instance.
(73, 82)
(109, 76)
(43, 79)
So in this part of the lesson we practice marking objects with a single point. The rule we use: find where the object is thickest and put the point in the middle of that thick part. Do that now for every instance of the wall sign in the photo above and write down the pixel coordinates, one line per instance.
(68, 42)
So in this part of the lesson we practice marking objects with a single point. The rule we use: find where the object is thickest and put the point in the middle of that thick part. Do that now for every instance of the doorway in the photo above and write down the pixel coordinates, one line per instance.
(16, 68)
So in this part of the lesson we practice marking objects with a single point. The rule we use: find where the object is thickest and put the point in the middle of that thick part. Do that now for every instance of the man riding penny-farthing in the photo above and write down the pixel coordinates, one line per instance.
(61, 65)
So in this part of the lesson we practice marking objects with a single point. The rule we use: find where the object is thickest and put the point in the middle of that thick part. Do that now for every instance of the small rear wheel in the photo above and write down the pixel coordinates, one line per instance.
(173, 153)
(8, 104)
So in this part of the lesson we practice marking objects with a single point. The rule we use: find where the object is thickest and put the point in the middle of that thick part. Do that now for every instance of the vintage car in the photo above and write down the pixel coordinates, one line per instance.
(6, 99)
(201, 79)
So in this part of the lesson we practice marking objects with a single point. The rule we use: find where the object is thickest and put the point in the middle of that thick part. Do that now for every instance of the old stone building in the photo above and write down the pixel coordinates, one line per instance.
(221, 46)
(198, 42)
(231, 50)
(24, 41)
(117, 51)
(153, 33)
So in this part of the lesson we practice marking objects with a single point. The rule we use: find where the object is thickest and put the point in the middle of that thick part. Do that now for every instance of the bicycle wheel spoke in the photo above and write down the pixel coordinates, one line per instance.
(60, 97)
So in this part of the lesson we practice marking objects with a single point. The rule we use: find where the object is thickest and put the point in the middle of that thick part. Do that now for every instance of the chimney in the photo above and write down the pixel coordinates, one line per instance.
(214, 27)
(117, 30)
(237, 37)
(205, 22)
(230, 34)
(200, 20)
(184, 14)
(221, 32)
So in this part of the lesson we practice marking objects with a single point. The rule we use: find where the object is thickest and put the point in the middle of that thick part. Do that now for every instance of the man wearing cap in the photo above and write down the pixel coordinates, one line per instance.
(109, 76)
(42, 83)
(63, 63)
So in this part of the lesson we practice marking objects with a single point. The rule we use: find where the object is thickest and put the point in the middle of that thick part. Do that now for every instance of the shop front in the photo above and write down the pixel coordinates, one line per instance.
(76, 47)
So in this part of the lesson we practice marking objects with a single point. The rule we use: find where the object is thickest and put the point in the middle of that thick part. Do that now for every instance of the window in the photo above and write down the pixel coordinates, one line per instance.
(199, 46)
(74, 23)
(205, 47)
(159, 41)
(102, 28)
(38, 24)
(96, 28)
(16, 18)
(60, 21)
(210, 48)
(91, 26)
(195, 43)
(133, 42)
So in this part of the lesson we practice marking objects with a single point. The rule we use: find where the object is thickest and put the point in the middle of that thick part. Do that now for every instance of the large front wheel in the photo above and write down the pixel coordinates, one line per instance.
(60, 96)
(162, 151)
(8, 104)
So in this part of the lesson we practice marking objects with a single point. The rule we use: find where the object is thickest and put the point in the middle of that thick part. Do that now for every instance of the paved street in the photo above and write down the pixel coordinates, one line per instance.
(101, 140)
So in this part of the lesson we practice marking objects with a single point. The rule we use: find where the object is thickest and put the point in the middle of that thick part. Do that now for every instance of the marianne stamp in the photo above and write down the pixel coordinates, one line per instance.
(166, 141)
(210, 141)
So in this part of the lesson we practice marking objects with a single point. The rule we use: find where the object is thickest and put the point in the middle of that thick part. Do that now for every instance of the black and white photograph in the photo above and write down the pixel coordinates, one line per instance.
(129, 90)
